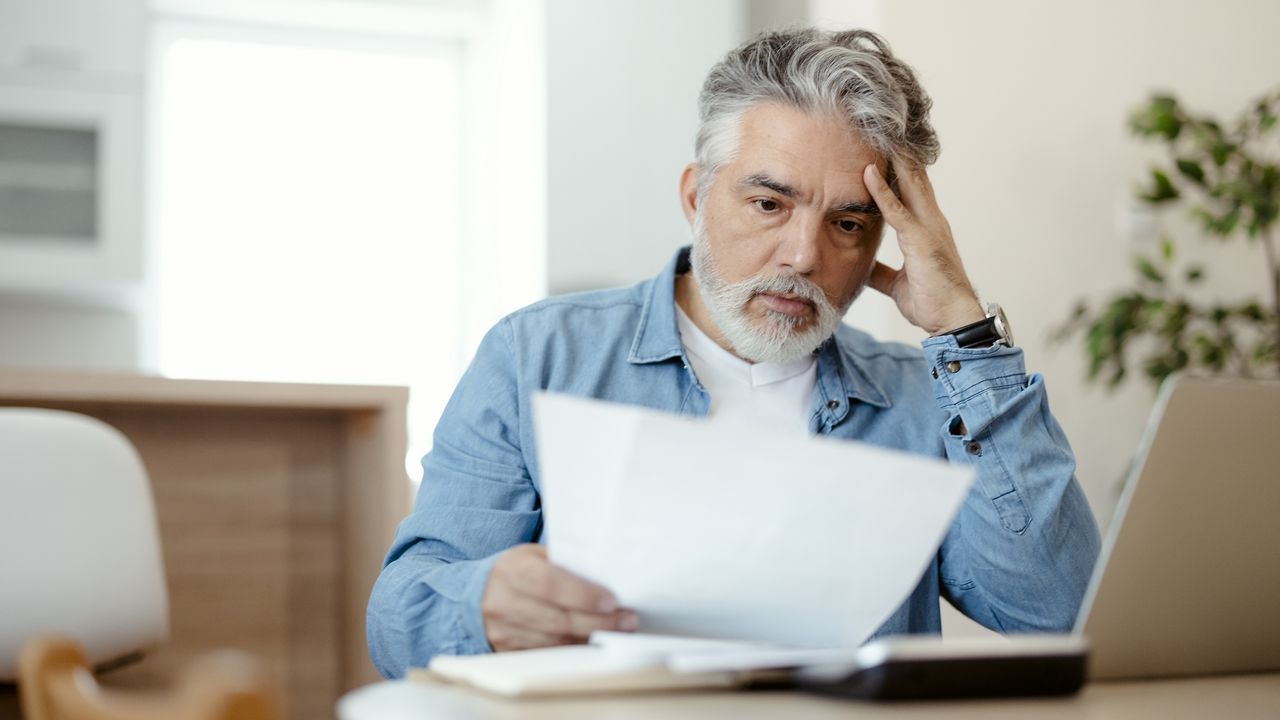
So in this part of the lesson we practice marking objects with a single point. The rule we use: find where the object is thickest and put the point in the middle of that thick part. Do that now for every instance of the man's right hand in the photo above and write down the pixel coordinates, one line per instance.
(529, 603)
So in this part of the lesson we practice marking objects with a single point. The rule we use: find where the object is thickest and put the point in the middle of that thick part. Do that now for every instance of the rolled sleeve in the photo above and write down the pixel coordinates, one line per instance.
(1020, 553)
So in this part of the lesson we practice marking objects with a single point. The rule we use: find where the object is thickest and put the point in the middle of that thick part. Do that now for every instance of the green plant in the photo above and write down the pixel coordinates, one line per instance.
(1228, 178)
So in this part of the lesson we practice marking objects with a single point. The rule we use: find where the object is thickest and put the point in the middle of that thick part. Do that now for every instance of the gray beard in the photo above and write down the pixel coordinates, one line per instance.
(775, 338)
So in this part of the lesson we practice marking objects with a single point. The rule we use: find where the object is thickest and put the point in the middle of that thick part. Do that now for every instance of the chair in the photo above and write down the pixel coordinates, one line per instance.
(84, 583)
(79, 546)
(55, 684)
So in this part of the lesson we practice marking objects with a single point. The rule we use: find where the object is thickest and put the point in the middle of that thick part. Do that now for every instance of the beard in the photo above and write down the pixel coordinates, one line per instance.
(776, 337)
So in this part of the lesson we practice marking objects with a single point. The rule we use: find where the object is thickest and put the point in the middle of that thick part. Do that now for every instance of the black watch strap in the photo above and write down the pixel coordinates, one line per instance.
(980, 334)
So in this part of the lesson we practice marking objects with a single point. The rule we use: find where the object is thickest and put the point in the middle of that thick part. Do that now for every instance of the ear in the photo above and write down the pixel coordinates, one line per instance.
(689, 191)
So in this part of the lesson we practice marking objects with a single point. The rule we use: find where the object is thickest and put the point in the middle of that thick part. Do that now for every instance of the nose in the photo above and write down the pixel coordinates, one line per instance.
(800, 246)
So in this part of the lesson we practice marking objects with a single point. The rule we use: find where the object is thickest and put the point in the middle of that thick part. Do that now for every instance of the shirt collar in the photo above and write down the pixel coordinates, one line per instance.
(657, 339)
(840, 376)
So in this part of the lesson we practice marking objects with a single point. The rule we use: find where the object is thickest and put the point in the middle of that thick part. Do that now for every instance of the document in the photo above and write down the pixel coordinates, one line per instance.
(718, 530)
(621, 662)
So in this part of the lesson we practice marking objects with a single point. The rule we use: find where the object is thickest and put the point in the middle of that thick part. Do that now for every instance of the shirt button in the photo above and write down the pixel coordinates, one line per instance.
(833, 404)
(934, 371)
(973, 448)
(953, 366)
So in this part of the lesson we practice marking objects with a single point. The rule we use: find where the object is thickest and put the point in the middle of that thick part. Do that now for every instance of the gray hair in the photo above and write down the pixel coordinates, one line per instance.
(852, 74)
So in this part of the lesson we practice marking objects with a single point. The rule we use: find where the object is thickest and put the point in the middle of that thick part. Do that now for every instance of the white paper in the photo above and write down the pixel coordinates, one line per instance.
(720, 530)
(683, 655)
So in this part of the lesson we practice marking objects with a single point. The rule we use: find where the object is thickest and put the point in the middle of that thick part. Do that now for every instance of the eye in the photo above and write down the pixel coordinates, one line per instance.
(767, 205)
(849, 226)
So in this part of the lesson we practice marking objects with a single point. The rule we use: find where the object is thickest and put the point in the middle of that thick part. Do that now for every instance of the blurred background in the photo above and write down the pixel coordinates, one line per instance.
(353, 192)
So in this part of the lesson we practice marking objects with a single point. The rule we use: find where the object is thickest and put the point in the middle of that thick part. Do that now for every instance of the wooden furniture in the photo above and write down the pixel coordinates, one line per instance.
(56, 685)
(276, 503)
(1239, 697)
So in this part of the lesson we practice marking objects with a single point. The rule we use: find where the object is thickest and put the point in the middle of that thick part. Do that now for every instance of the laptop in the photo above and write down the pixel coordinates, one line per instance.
(1188, 580)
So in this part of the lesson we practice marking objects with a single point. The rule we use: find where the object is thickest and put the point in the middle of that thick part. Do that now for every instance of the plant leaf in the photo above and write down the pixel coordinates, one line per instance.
(1162, 190)
(1221, 152)
(1191, 170)
(1147, 270)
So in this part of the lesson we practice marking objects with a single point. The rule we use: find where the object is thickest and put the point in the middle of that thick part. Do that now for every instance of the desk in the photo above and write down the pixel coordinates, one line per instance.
(276, 503)
(1240, 697)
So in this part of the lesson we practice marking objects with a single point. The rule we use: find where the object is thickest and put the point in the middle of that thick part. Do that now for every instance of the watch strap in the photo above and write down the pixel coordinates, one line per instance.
(983, 333)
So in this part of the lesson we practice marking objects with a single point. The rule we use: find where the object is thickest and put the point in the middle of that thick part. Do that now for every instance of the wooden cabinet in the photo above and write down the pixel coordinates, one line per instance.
(276, 503)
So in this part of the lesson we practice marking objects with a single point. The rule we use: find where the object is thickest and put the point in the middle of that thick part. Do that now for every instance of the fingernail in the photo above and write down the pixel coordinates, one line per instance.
(606, 605)
(628, 622)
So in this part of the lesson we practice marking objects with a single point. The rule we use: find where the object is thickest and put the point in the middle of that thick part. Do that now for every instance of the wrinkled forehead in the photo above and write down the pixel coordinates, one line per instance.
(810, 153)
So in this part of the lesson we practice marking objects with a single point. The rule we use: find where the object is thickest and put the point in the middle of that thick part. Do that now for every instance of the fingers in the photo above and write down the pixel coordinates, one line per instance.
(883, 278)
(891, 208)
(538, 614)
(538, 578)
(915, 186)
(505, 636)
(528, 602)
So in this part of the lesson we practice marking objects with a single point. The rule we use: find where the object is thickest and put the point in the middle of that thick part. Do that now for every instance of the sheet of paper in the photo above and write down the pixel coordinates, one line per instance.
(720, 530)
(584, 444)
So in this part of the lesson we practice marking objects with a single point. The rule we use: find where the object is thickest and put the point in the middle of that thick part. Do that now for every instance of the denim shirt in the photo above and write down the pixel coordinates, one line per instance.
(1017, 557)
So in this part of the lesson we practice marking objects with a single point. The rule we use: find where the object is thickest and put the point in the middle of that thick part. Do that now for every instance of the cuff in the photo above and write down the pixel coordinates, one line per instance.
(971, 379)
(475, 639)
(463, 583)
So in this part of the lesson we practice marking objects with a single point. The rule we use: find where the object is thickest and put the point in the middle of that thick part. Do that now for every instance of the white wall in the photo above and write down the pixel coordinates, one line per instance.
(622, 88)
(39, 332)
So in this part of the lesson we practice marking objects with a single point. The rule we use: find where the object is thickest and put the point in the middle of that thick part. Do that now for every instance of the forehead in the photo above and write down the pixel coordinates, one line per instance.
(816, 152)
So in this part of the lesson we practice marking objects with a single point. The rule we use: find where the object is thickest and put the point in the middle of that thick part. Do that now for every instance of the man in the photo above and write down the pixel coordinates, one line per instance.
(802, 134)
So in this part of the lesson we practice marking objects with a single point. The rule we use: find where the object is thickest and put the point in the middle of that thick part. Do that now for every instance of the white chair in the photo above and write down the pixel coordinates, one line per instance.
(79, 547)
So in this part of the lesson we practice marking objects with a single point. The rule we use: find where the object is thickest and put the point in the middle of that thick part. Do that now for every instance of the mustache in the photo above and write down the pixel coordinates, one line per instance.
(783, 285)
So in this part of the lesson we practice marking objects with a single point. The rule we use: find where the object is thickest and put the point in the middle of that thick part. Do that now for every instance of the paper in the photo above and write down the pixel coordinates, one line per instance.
(683, 655)
(719, 530)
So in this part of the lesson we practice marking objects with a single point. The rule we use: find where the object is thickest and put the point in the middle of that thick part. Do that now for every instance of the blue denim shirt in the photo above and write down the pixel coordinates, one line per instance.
(1016, 559)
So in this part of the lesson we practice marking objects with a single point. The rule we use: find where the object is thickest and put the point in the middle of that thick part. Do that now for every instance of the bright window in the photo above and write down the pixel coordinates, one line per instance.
(308, 215)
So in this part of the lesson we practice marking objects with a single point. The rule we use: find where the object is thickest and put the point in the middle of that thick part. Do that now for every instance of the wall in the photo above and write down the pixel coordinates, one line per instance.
(622, 88)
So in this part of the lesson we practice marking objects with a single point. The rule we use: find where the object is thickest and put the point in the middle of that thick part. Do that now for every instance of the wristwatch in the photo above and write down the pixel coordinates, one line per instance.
(985, 333)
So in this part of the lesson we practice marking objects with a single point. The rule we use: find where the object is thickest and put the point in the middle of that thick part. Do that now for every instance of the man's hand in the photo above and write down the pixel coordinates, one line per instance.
(528, 603)
(931, 289)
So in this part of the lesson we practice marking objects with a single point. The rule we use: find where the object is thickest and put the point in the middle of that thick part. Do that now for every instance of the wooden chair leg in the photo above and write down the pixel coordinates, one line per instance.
(55, 684)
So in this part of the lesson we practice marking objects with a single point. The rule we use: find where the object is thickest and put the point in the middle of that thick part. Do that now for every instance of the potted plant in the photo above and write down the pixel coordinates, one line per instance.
(1227, 177)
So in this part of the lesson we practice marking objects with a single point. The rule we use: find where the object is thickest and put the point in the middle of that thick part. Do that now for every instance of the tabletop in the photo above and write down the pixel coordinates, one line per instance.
(1239, 697)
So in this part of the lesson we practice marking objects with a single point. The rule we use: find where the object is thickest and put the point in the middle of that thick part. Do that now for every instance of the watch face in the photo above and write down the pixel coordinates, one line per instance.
(1002, 323)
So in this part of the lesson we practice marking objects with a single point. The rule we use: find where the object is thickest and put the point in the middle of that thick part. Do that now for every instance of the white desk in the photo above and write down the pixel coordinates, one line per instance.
(1239, 697)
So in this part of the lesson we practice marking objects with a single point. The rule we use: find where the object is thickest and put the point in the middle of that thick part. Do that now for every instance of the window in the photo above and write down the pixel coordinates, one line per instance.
(307, 211)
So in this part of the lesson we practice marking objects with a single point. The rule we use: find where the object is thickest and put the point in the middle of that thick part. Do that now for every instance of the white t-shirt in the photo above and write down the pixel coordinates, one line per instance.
(773, 394)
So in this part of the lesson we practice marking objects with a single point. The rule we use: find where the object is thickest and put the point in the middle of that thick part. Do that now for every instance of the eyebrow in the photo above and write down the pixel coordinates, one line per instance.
(865, 208)
(868, 207)
(764, 181)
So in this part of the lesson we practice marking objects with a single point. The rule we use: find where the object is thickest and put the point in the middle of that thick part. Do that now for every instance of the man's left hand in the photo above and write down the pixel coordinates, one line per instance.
(931, 289)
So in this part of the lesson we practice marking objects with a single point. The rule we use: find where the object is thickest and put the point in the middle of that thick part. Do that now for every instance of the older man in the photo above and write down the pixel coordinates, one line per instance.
(803, 137)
